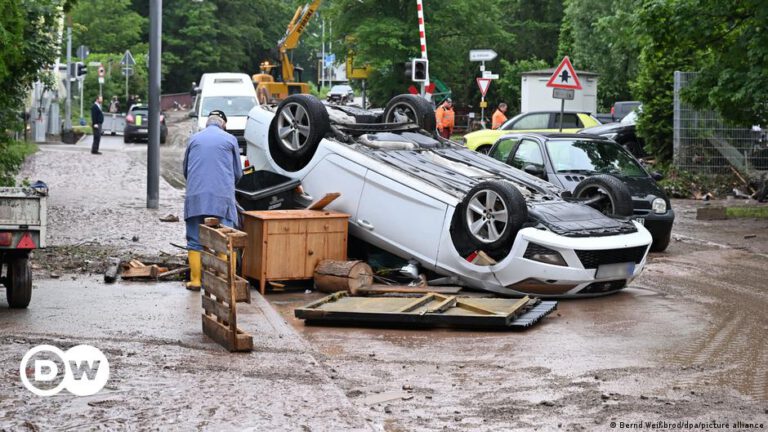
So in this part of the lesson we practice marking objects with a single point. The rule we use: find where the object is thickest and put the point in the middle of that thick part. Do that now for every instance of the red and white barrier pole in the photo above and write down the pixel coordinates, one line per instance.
(422, 39)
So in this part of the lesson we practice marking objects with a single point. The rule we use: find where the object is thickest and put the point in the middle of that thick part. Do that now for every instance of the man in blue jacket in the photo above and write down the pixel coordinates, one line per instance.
(212, 168)
(97, 119)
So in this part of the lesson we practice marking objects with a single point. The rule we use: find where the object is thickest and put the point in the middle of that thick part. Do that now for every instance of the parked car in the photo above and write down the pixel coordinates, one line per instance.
(341, 94)
(137, 125)
(589, 166)
(421, 197)
(622, 132)
(539, 121)
(619, 110)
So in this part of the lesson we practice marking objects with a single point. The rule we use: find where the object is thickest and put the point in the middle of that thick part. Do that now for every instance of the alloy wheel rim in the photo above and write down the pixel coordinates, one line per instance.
(293, 126)
(487, 216)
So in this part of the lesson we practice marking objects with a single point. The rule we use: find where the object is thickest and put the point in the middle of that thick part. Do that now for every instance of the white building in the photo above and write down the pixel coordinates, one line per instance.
(536, 96)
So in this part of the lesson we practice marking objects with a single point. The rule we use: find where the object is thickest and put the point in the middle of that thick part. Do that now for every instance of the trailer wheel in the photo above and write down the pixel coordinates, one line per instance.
(605, 193)
(300, 123)
(19, 288)
(491, 215)
(413, 109)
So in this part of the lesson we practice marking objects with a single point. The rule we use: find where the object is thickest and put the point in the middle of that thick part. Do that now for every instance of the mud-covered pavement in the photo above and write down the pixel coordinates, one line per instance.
(687, 342)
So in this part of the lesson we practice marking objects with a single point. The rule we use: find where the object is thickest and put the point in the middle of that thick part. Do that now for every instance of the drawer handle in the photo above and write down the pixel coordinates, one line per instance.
(310, 252)
(285, 228)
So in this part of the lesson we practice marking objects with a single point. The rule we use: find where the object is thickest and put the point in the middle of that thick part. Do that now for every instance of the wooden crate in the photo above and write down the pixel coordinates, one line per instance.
(221, 287)
(288, 244)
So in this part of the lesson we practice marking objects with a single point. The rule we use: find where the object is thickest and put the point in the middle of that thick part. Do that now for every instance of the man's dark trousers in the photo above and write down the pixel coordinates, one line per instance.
(97, 119)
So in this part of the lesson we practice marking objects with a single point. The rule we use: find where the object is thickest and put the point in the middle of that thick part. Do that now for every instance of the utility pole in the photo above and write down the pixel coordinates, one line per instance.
(153, 148)
(68, 103)
(322, 62)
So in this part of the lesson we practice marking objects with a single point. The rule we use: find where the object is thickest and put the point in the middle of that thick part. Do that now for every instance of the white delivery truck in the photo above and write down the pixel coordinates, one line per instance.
(232, 93)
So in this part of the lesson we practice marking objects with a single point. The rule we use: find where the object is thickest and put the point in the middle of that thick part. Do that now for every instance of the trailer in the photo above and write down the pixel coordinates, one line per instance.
(23, 221)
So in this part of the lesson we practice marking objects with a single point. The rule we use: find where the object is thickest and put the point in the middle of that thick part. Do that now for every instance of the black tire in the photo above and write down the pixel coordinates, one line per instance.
(491, 214)
(607, 194)
(410, 108)
(19, 288)
(301, 121)
(127, 139)
(484, 149)
(661, 241)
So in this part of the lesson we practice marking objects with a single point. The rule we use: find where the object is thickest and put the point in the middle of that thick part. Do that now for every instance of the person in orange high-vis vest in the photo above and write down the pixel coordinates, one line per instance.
(445, 118)
(499, 116)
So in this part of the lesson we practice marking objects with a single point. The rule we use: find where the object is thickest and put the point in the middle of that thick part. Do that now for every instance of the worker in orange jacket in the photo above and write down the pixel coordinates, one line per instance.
(499, 117)
(445, 118)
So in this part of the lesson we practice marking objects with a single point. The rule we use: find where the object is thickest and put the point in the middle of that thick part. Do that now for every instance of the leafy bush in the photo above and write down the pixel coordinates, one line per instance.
(12, 155)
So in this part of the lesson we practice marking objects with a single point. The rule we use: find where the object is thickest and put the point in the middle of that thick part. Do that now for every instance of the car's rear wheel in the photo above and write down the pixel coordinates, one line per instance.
(605, 193)
(491, 215)
(408, 108)
(127, 139)
(18, 292)
(300, 122)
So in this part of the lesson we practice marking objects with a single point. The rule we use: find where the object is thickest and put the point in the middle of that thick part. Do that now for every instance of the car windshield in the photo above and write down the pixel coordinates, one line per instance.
(501, 150)
(340, 89)
(592, 157)
(231, 105)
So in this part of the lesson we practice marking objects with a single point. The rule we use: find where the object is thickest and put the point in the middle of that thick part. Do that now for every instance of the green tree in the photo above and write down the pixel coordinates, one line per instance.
(509, 82)
(599, 36)
(107, 26)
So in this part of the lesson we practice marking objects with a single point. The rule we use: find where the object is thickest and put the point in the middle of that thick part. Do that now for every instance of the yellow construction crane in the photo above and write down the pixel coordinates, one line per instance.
(271, 86)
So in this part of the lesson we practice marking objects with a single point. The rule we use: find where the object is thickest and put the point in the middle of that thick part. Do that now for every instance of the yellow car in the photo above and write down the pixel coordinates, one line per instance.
(538, 121)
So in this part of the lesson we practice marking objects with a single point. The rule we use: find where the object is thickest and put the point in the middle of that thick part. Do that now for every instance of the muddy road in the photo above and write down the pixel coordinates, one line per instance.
(687, 342)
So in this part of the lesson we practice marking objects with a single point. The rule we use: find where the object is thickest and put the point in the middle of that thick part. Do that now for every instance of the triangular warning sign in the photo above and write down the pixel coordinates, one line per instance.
(26, 242)
(565, 76)
(483, 83)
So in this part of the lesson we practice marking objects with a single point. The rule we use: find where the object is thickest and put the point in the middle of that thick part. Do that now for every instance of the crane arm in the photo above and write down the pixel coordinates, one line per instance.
(297, 26)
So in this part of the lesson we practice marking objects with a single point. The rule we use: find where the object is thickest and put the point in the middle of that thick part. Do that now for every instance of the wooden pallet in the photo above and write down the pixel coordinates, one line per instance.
(222, 288)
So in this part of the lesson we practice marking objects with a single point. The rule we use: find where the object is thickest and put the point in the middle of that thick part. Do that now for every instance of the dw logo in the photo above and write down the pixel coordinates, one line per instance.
(83, 370)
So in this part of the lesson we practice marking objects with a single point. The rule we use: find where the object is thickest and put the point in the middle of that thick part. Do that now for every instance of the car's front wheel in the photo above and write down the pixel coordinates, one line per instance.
(661, 241)
(484, 149)
(300, 122)
(491, 215)
(605, 193)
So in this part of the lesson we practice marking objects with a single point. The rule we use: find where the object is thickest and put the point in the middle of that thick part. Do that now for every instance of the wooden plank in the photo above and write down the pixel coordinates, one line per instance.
(404, 289)
(214, 263)
(219, 287)
(215, 308)
(421, 301)
(448, 302)
(216, 240)
(149, 272)
(232, 341)
(474, 308)
(324, 201)
(293, 214)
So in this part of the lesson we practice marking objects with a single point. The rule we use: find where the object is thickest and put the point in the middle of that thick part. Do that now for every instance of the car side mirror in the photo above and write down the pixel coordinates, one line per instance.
(534, 170)
(192, 114)
(657, 176)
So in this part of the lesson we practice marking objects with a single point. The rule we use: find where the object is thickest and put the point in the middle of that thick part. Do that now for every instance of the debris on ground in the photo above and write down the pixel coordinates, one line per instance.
(711, 213)
(110, 276)
(169, 218)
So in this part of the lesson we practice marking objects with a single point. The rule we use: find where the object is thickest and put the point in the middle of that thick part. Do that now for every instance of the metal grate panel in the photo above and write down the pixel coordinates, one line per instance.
(594, 258)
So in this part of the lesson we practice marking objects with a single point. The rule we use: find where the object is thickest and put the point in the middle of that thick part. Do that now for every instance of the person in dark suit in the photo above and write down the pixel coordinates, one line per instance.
(97, 119)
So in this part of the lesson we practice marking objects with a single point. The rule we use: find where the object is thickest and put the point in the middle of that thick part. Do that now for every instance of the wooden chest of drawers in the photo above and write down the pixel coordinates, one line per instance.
(287, 244)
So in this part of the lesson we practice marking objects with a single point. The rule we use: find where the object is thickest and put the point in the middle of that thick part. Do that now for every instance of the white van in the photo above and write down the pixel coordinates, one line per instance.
(232, 93)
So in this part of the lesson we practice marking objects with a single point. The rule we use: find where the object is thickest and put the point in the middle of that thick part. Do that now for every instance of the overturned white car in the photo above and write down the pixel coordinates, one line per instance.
(420, 197)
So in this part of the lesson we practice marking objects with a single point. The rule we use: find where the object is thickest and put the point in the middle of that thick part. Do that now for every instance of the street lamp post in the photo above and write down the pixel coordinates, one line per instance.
(153, 150)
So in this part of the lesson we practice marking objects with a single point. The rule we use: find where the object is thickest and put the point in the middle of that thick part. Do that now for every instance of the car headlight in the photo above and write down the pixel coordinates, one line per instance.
(659, 205)
(610, 135)
(543, 254)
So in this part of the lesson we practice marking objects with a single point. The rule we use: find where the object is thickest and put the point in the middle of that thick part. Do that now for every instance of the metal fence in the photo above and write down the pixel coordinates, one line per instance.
(704, 143)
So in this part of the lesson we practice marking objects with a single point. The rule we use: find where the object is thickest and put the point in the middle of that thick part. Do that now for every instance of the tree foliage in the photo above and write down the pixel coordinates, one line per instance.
(108, 26)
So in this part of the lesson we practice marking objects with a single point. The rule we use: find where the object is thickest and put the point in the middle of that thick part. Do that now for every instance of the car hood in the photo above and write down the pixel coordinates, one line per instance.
(642, 187)
(606, 128)
(577, 220)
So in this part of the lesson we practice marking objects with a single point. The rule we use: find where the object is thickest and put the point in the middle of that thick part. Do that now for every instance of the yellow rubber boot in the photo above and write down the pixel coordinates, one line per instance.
(195, 270)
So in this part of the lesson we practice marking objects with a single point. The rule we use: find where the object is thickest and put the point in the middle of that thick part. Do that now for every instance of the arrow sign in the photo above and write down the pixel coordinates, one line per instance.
(565, 76)
(127, 59)
(483, 83)
(482, 55)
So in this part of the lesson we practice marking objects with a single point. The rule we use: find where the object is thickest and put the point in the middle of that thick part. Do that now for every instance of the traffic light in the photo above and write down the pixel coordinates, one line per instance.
(81, 68)
(409, 69)
(420, 70)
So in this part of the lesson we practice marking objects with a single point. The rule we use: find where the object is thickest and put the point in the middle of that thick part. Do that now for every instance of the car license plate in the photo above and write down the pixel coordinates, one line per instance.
(614, 271)
(641, 221)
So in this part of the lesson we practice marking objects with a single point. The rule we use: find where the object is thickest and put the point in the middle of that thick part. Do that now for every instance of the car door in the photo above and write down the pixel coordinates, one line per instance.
(532, 121)
(400, 219)
(528, 157)
(571, 122)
